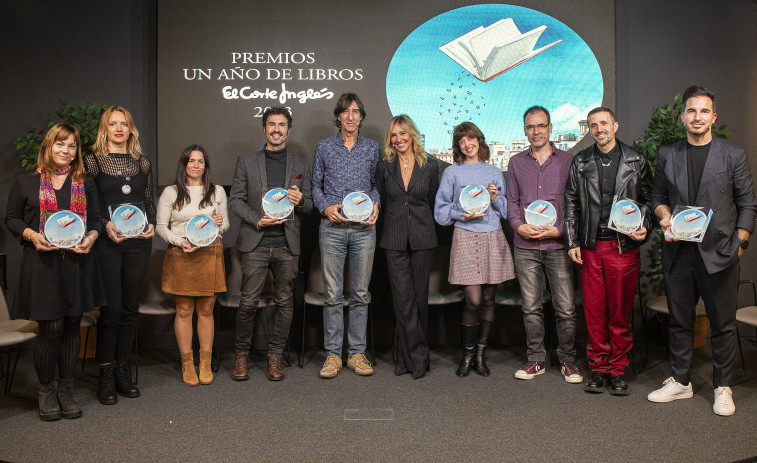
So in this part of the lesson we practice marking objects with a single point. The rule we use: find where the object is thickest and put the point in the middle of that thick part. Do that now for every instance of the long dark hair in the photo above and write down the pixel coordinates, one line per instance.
(182, 193)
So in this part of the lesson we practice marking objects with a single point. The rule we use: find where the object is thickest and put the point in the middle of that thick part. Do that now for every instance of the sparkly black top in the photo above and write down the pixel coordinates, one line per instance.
(122, 179)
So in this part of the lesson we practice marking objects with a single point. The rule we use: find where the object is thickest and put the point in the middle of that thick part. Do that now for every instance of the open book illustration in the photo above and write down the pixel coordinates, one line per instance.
(201, 223)
(691, 217)
(473, 192)
(127, 213)
(487, 52)
(278, 196)
(357, 200)
(628, 209)
(65, 221)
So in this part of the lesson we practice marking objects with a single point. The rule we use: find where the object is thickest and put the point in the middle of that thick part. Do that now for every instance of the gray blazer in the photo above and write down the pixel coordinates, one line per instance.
(726, 188)
(246, 198)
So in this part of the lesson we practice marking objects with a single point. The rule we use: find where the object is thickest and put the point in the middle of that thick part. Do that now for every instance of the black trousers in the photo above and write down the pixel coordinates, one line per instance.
(123, 268)
(255, 265)
(408, 277)
(685, 283)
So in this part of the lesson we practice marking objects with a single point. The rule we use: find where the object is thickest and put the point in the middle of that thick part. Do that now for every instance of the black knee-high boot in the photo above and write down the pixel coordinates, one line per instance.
(479, 360)
(468, 335)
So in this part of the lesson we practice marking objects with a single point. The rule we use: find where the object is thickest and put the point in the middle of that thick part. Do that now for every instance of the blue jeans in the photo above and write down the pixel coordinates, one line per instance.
(337, 241)
(531, 265)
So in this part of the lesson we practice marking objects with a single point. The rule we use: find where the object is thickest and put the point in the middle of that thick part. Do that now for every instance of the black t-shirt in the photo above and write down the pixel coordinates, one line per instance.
(275, 171)
(607, 169)
(696, 157)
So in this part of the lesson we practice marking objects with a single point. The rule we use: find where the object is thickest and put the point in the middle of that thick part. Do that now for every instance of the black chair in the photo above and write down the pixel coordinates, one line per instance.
(13, 333)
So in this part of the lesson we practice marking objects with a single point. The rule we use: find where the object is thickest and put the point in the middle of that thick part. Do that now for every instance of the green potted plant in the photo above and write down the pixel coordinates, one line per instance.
(86, 117)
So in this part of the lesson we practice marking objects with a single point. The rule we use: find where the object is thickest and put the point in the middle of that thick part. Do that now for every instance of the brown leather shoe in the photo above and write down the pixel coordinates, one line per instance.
(239, 373)
(274, 370)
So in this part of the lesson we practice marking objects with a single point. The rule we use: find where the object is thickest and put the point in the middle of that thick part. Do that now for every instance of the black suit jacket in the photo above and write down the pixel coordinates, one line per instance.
(726, 187)
(408, 216)
(246, 198)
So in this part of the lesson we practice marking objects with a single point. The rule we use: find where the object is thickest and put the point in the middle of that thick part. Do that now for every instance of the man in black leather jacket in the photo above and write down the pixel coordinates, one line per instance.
(609, 260)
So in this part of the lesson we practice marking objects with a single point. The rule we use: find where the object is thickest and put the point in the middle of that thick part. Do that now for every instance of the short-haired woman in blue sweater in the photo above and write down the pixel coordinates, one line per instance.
(480, 256)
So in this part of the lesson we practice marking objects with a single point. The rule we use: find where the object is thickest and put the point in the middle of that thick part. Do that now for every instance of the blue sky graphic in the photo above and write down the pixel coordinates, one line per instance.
(423, 82)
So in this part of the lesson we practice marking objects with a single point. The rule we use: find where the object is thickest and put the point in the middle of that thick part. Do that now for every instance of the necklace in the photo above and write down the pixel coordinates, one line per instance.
(601, 159)
(126, 188)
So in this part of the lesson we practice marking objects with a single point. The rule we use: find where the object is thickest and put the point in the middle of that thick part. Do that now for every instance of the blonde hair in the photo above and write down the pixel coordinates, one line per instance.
(407, 124)
(60, 132)
(132, 144)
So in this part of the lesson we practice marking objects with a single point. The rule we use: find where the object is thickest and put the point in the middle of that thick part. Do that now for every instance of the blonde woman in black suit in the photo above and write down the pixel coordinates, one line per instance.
(407, 181)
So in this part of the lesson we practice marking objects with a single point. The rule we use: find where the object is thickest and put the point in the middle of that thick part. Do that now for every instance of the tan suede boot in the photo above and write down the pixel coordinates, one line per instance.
(206, 374)
(188, 369)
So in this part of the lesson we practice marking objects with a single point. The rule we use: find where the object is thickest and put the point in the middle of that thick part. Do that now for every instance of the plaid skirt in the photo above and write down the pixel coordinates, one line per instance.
(480, 258)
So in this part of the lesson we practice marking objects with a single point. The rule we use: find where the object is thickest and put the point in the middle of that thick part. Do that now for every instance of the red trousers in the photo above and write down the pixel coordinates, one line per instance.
(609, 281)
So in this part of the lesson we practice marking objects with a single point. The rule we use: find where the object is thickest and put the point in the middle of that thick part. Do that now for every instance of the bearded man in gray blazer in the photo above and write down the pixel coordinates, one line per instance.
(706, 172)
(267, 242)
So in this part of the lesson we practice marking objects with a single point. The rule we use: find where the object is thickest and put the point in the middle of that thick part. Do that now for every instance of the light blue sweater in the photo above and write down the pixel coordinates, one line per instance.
(448, 211)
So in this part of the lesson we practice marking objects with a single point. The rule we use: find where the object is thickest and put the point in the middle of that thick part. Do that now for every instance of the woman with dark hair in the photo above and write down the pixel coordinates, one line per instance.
(407, 182)
(193, 274)
(56, 285)
(480, 256)
(123, 176)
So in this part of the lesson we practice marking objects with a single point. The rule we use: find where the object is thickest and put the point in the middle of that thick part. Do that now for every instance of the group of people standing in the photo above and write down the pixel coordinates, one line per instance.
(404, 185)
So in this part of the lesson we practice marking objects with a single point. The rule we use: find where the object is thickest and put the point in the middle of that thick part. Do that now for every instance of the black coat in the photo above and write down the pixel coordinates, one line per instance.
(583, 202)
(408, 216)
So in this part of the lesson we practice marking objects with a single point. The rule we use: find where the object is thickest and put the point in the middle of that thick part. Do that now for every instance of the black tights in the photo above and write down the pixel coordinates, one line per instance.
(479, 303)
(57, 346)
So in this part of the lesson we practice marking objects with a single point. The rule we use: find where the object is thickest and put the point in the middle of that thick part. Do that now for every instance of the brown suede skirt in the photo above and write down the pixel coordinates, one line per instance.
(198, 273)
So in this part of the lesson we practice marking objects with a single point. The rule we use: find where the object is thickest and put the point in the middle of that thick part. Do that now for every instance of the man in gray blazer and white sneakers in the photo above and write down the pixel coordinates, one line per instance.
(267, 242)
(706, 172)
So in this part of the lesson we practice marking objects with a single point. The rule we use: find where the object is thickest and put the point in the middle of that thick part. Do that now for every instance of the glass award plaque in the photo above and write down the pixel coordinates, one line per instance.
(130, 219)
(474, 199)
(201, 230)
(276, 204)
(64, 229)
(541, 213)
(358, 206)
(626, 216)
(689, 223)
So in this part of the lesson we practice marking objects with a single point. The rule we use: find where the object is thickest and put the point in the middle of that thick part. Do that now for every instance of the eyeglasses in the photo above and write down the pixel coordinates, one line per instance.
(531, 128)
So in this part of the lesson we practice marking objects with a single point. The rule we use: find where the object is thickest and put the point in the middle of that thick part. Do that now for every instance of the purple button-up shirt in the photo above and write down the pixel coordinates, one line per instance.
(527, 181)
(338, 171)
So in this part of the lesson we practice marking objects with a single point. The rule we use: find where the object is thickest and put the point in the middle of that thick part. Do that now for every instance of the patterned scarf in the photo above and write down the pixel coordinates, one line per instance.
(48, 205)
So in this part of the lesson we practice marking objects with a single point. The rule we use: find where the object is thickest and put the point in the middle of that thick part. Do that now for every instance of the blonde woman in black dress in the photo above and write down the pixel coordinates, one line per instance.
(123, 175)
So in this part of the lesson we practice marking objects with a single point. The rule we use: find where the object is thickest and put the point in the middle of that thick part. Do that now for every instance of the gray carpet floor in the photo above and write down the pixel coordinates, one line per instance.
(385, 418)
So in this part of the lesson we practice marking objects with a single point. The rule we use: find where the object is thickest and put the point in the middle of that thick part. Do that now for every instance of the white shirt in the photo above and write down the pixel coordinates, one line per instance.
(172, 224)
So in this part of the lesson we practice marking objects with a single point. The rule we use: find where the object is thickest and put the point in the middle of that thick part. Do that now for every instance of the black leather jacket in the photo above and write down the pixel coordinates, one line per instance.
(583, 196)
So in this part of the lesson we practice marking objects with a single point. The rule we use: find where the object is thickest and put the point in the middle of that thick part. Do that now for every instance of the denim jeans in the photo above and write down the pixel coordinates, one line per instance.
(255, 265)
(337, 242)
(531, 265)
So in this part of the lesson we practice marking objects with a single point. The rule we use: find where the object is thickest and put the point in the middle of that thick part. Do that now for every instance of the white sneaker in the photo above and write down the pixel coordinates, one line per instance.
(723, 405)
(671, 390)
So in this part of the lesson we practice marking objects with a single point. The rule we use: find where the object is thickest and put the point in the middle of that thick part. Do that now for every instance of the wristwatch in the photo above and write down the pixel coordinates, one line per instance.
(744, 244)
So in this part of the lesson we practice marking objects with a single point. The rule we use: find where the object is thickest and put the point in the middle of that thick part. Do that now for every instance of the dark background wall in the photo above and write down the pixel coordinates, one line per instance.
(106, 52)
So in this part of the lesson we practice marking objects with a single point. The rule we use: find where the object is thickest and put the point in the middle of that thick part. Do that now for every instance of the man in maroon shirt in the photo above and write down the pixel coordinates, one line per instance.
(540, 173)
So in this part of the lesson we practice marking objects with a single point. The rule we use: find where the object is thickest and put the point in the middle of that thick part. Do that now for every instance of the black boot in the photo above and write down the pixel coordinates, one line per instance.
(68, 405)
(468, 335)
(106, 386)
(48, 402)
(123, 380)
(479, 360)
